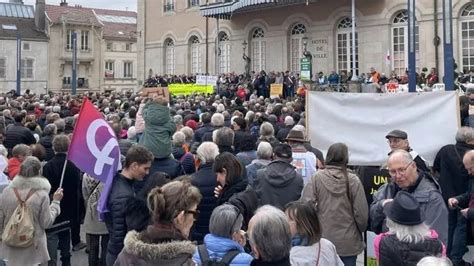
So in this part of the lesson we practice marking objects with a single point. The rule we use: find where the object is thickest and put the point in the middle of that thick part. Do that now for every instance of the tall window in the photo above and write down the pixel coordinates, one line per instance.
(3, 68)
(85, 40)
(344, 46)
(169, 56)
(258, 50)
(224, 50)
(467, 38)
(128, 70)
(195, 55)
(168, 6)
(109, 69)
(27, 68)
(296, 48)
(400, 42)
(193, 3)
(69, 39)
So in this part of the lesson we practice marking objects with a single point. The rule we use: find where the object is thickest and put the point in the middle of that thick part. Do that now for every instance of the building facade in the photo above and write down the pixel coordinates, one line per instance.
(106, 53)
(185, 37)
(18, 21)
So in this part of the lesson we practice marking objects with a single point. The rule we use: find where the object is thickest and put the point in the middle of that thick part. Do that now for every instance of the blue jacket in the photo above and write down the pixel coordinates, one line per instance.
(217, 247)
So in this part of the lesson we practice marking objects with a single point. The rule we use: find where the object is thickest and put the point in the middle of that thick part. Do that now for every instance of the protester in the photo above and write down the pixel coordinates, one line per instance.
(137, 165)
(47, 140)
(408, 239)
(18, 134)
(173, 209)
(226, 239)
(308, 246)
(264, 157)
(267, 133)
(247, 150)
(398, 140)
(340, 197)
(29, 186)
(180, 154)
(431, 260)
(19, 153)
(304, 160)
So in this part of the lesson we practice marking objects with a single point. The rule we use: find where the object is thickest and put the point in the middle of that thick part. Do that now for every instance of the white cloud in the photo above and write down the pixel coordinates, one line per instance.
(131, 5)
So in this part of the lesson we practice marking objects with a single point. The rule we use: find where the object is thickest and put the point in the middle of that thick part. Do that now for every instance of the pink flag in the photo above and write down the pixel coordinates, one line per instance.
(94, 149)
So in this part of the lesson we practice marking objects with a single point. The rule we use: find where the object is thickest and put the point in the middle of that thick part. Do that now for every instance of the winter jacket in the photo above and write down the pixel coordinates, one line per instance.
(453, 177)
(342, 221)
(246, 157)
(18, 134)
(254, 167)
(390, 251)
(47, 142)
(159, 127)
(239, 136)
(272, 140)
(278, 184)
(308, 255)
(13, 167)
(205, 180)
(186, 159)
(283, 262)
(91, 190)
(71, 185)
(431, 203)
(156, 246)
(218, 246)
(167, 165)
(199, 134)
(43, 211)
(121, 193)
(283, 133)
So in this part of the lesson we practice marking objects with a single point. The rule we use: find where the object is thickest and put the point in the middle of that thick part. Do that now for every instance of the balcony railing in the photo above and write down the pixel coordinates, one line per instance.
(168, 7)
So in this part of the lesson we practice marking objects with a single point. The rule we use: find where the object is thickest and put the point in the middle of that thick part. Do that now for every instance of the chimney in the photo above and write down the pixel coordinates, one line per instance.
(40, 16)
(63, 3)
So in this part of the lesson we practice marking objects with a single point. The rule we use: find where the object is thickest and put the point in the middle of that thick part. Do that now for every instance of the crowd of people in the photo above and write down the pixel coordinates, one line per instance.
(221, 178)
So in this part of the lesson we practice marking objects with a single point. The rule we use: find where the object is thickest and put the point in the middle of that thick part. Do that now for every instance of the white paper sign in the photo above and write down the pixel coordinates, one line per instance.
(206, 80)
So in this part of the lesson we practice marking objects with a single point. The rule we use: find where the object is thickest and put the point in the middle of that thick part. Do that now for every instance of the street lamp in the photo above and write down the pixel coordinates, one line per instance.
(306, 53)
(244, 46)
(246, 59)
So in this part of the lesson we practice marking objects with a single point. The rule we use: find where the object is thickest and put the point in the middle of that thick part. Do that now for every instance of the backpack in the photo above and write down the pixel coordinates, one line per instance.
(20, 230)
(226, 260)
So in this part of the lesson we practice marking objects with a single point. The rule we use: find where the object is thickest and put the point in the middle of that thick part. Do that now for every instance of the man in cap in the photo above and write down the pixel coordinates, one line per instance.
(398, 140)
(304, 160)
(278, 183)
(405, 176)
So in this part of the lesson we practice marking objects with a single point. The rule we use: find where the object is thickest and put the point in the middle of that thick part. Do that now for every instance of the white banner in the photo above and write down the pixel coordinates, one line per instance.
(206, 80)
(362, 120)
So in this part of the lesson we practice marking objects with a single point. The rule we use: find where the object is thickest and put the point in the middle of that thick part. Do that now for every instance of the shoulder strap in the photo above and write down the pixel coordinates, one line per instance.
(203, 253)
(229, 256)
(30, 193)
(350, 201)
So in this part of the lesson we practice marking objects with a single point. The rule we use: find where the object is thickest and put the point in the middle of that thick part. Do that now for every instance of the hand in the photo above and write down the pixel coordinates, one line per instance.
(218, 191)
(386, 201)
(464, 212)
(58, 195)
(239, 237)
(453, 203)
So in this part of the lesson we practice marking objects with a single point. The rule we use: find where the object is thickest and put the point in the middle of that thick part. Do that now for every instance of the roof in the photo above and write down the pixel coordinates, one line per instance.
(120, 31)
(26, 28)
(16, 10)
(71, 14)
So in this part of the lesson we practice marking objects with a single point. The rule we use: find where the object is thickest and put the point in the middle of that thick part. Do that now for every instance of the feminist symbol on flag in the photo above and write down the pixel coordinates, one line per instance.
(102, 155)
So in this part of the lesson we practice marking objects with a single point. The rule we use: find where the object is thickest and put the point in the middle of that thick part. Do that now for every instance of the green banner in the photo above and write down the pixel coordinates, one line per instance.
(186, 89)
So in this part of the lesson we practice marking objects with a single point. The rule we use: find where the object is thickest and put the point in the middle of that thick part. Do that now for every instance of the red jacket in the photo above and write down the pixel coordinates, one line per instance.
(13, 167)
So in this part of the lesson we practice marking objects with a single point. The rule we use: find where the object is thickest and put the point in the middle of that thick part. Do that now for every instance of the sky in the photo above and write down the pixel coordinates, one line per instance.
(107, 4)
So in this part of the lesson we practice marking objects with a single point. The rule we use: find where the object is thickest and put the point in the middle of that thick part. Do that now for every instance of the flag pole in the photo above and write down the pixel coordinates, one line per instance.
(62, 174)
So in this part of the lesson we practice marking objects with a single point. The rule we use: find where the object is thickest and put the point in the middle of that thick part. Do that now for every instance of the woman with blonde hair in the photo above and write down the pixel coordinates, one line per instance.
(173, 209)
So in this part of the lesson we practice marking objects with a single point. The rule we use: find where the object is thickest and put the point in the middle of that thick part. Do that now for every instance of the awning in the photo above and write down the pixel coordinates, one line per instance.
(225, 10)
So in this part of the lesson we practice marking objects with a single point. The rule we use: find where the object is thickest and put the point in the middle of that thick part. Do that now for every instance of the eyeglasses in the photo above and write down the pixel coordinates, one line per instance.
(400, 171)
(194, 213)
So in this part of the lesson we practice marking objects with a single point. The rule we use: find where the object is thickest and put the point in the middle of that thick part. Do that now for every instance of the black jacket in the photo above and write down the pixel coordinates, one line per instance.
(71, 185)
(205, 180)
(47, 142)
(283, 262)
(121, 193)
(186, 159)
(278, 184)
(169, 166)
(18, 134)
(283, 133)
(200, 132)
(452, 176)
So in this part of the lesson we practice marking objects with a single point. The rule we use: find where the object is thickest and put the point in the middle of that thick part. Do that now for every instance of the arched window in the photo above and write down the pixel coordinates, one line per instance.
(224, 50)
(344, 46)
(169, 57)
(194, 44)
(400, 42)
(258, 50)
(296, 48)
(467, 38)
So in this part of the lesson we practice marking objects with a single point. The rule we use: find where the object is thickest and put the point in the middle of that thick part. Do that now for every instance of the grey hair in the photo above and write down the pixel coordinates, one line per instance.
(21, 150)
(3, 150)
(223, 136)
(178, 138)
(30, 167)
(408, 234)
(207, 152)
(266, 130)
(406, 156)
(465, 134)
(224, 221)
(50, 130)
(60, 124)
(178, 120)
(220, 108)
(188, 132)
(217, 120)
(249, 116)
(61, 143)
(270, 221)
(264, 150)
(431, 260)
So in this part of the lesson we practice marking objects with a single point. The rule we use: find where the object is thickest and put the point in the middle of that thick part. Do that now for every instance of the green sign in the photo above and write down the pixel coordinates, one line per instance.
(306, 69)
